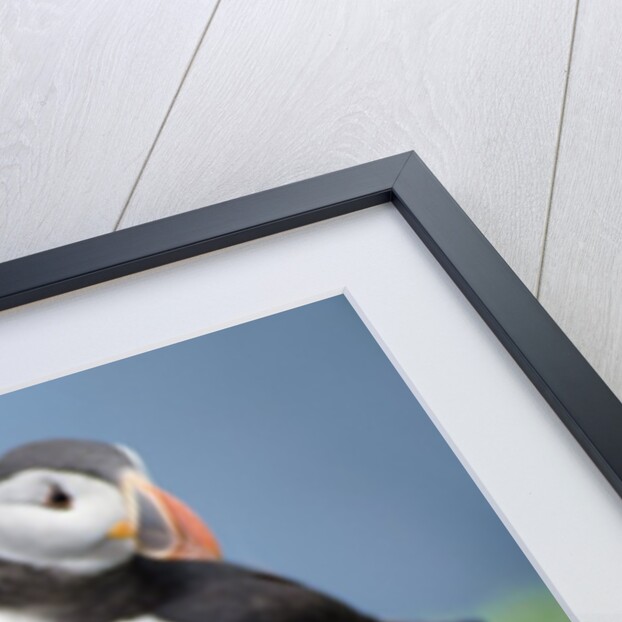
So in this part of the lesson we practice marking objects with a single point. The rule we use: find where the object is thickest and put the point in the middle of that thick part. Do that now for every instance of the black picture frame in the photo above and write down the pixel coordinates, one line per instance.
(578, 395)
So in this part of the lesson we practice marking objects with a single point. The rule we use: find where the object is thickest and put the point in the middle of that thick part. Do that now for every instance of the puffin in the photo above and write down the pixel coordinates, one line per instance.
(86, 536)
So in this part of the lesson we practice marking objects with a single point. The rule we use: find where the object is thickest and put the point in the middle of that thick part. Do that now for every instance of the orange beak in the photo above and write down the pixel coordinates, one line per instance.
(161, 525)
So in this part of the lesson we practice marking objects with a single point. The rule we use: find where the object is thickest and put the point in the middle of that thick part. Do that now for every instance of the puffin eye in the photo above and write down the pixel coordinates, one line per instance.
(57, 499)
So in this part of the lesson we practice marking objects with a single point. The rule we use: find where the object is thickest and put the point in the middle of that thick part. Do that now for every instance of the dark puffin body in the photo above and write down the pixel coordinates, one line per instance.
(170, 591)
(222, 592)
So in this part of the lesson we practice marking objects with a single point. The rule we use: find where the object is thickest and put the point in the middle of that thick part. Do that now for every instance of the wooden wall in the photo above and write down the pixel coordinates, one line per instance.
(113, 114)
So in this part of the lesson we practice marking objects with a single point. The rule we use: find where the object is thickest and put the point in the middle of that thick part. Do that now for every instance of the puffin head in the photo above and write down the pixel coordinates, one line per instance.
(85, 507)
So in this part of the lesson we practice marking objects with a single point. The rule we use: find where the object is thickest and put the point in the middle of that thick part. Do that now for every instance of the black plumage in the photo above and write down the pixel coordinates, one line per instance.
(176, 591)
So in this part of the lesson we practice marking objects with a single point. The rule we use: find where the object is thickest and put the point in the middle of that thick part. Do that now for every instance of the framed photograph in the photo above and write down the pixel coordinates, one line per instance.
(370, 416)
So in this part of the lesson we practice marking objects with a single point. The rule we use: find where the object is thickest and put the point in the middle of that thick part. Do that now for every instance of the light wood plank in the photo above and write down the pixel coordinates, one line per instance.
(281, 91)
(582, 276)
(84, 87)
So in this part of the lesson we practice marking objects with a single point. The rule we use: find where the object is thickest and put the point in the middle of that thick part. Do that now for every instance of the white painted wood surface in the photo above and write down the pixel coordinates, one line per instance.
(284, 90)
(582, 275)
(84, 87)
(279, 91)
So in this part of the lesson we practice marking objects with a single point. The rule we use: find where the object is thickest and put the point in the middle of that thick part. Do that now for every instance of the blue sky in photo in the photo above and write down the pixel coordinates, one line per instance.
(300, 445)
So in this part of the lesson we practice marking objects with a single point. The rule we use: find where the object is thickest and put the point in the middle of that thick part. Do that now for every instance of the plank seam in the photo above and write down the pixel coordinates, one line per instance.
(166, 116)
(547, 218)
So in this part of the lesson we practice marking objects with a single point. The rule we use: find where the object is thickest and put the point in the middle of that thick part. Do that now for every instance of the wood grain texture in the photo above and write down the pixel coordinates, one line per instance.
(84, 87)
(582, 275)
(282, 91)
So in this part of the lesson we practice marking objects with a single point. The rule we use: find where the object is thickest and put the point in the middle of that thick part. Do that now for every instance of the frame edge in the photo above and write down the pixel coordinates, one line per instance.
(568, 383)
(553, 364)
(153, 244)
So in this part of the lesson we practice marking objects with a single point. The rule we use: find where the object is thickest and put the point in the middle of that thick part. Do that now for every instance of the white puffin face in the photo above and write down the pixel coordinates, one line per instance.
(84, 507)
(62, 520)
